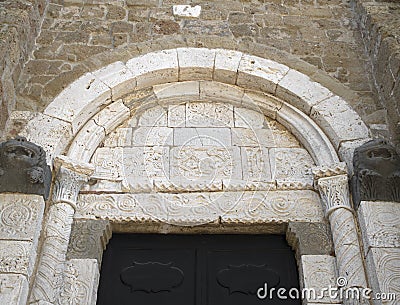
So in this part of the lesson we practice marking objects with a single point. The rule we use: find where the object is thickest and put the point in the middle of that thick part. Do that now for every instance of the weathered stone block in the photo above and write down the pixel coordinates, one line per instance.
(14, 289)
(248, 118)
(21, 217)
(202, 137)
(226, 65)
(195, 63)
(17, 257)
(379, 223)
(152, 136)
(199, 114)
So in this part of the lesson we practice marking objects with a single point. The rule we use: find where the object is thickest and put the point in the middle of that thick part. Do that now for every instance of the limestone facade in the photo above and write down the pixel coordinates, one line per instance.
(248, 127)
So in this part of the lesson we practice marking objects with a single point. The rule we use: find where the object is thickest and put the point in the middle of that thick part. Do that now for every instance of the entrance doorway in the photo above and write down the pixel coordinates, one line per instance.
(155, 269)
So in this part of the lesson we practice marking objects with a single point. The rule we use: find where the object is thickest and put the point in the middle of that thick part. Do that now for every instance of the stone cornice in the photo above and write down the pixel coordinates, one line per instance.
(330, 170)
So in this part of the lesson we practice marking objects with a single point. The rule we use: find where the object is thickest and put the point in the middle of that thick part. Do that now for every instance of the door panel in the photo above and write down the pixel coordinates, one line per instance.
(153, 269)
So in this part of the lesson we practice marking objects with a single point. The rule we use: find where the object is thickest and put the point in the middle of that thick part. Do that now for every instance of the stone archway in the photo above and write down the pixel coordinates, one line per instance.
(90, 111)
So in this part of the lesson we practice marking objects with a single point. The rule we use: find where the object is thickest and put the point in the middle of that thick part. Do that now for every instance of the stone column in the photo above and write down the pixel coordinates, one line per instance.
(49, 276)
(333, 186)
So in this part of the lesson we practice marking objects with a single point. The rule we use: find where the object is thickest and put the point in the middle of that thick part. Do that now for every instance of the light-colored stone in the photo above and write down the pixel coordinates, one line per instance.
(202, 137)
(117, 77)
(379, 224)
(291, 164)
(227, 65)
(253, 137)
(52, 134)
(319, 272)
(255, 164)
(215, 91)
(177, 115)
(21, 217)
(120, 137)
(153, 68)
(247, 118)
(17, 257)
(309, 134)
(108, 163)
(339, 121)
(261, 102)
(14, 289)
(260, 73)
(88, 139)
(152, 136)
(81, 282)
(204, 207)
(156, 116)
(300, 91)
(80, 101)
(145, 163)
(269, 206)
(186, 10)
(111, 115)
(200, 114)
(178, 91)
(196, 63)
(209, 163)
(384, 275)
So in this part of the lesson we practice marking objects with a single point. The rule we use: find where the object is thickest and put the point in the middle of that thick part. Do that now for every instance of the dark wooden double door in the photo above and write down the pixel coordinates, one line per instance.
(146, 269)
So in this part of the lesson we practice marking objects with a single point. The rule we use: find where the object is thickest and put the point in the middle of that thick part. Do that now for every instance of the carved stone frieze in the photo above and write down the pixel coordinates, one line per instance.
(80, 284)
(192, 208)
(376, 172)
(89, 238)
(20, 216)
(16, 257)
(23, 168)
(310, 238)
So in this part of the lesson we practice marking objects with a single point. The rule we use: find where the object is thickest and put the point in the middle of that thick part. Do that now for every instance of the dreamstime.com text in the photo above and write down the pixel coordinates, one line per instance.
(341, 292)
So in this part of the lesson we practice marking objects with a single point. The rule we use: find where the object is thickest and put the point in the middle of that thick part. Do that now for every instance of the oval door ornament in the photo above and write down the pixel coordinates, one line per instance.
(247, 279)
(152, 277)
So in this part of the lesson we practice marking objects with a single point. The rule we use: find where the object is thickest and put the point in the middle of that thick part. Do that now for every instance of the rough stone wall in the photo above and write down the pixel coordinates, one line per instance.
(19, 25)
(379, 23)
(318, 38)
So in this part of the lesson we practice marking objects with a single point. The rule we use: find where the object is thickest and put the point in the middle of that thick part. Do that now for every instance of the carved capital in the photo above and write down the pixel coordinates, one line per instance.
(330, 170)
(70, 177)
(334, 192)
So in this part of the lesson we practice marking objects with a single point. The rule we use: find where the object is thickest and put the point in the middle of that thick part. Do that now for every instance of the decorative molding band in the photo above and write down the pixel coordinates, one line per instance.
(329, 171)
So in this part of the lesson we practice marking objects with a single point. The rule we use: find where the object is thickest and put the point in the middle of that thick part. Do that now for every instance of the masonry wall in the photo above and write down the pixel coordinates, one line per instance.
(19, 25)
(318, 38)
(379, 23)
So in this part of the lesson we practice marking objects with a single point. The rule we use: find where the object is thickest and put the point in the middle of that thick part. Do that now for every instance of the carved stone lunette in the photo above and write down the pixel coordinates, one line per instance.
(333, 186)
(70, 177)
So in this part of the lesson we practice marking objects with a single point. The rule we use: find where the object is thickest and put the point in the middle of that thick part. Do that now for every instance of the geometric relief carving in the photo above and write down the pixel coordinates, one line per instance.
(89, 238)
(319, 272)
(288, 164)
(200, 114)
(20, 216)
(16, 257)
(380, 224)
(376, 172)
(152, 277)
(196, 208)
(13, 289)
(310, 238)
(81, 278)
(247, 279)
(386, 264)
(108, 163)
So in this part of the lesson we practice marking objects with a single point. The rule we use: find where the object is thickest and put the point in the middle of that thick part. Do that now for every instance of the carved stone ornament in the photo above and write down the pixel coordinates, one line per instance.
(23, 168)
(376, 173)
